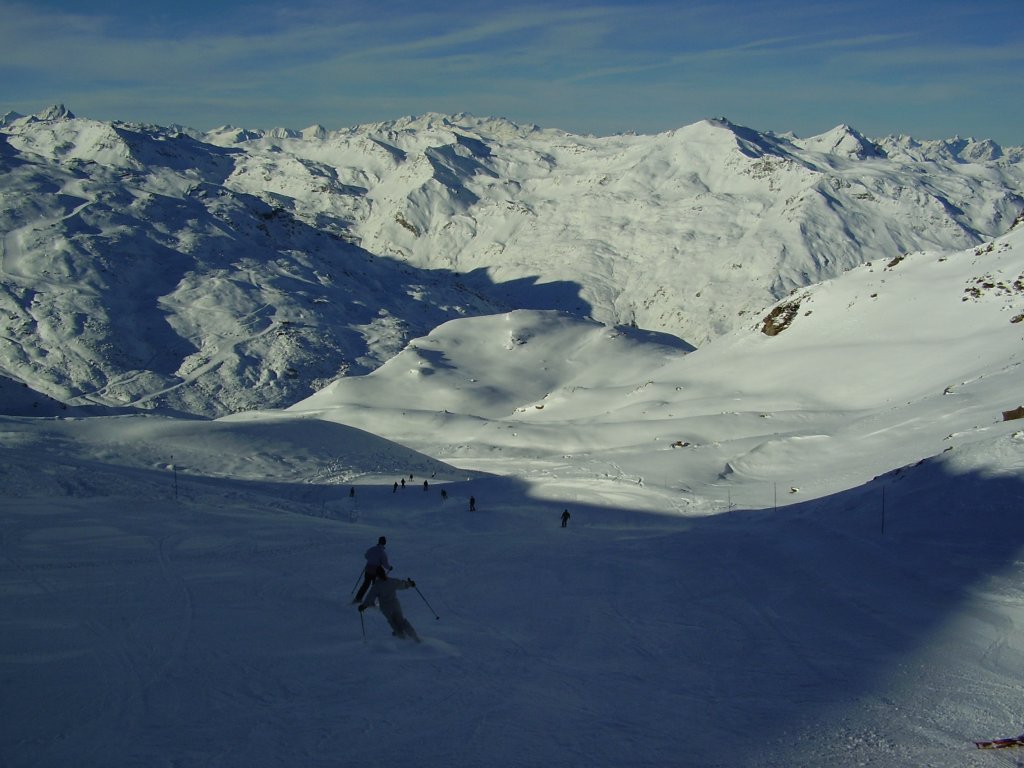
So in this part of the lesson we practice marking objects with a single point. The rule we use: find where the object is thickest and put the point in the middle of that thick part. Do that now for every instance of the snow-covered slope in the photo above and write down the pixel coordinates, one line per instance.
(890, 363)
(681, 231)
(152, 267)
(132, 276)
(792, 550)
(796, 546)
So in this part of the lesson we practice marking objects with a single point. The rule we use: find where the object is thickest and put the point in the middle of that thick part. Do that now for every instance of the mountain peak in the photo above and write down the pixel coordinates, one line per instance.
(748, 141)
(55, 113)
(316, 131)
(844, 141)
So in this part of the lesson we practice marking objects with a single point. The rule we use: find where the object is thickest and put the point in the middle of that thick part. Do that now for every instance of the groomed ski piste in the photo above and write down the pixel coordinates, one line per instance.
(798, 550)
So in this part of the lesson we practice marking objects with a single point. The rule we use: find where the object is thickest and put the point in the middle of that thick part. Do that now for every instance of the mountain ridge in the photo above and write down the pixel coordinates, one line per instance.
(262, 265)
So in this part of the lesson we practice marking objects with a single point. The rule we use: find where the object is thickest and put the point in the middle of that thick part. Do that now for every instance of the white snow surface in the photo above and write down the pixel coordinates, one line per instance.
(797, 550)
(161, 268)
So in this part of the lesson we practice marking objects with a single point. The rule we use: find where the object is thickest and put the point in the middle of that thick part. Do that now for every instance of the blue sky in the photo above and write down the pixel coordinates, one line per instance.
(928, 68)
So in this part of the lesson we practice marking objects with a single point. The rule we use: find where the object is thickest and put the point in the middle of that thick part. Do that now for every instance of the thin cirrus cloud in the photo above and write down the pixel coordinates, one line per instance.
(581, 66)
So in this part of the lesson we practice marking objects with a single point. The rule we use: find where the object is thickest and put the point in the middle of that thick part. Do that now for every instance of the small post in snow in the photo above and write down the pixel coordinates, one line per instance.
(883, 510)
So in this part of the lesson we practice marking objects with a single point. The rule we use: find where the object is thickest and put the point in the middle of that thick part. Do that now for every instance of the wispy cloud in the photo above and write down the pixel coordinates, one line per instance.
(585, 65)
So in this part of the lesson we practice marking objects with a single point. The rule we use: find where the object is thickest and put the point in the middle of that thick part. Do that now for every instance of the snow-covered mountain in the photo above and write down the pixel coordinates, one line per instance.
(207, 273)
(795, 521)
(797, 546)
(890, 363)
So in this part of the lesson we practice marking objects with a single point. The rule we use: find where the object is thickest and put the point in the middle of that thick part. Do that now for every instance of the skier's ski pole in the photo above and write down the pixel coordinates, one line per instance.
(428, 604)
(363, 625)
(357, 583)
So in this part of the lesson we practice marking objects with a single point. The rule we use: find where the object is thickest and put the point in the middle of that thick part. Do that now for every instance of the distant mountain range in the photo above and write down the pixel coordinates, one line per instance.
(206, 273)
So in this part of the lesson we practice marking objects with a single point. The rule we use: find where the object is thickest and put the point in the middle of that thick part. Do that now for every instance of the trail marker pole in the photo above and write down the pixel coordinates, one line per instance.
(883, 510)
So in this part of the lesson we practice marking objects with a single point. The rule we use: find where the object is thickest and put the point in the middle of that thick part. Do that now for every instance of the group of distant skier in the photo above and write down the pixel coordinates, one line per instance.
(426, 487)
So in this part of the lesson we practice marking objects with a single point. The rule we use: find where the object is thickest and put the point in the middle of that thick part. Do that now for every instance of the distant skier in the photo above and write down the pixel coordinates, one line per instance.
(394, 488)
(565, 518)
(426, 486)
(376, 562)
(472, 503)
(384, 591)
(444, 495)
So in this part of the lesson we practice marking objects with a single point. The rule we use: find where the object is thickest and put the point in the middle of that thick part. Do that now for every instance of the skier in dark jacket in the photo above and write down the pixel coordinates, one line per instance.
(376, 558)
(383, 591)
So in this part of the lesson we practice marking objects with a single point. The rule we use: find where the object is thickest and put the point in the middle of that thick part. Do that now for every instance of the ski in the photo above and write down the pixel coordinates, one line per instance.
(1016, 741)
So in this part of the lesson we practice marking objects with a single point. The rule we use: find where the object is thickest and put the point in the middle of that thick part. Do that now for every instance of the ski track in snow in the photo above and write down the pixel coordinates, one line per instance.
(216, 630)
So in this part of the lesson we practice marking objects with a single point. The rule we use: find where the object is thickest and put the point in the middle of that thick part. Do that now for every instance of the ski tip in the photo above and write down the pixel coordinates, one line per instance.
(1017, 741)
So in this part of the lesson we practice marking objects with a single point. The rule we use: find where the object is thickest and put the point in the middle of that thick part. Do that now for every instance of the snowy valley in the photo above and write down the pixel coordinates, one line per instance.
(774, 381)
